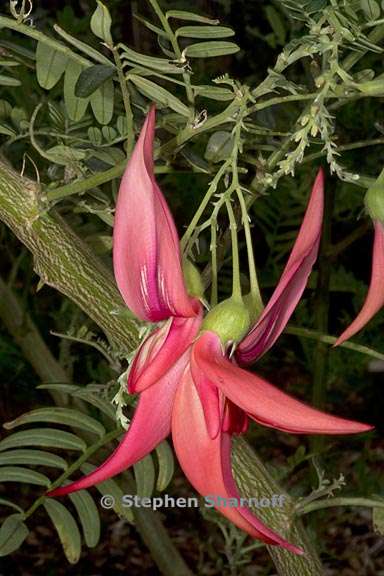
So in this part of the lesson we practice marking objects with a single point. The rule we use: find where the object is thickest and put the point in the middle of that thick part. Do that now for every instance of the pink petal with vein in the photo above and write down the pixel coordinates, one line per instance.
(207, 462)
(161, 350)
(150, 425)
(263, 402)
(375, 296)
(292, 282)
(146, 254)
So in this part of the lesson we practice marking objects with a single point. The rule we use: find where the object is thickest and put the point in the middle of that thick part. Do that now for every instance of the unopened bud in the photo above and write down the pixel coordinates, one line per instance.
(229, 320)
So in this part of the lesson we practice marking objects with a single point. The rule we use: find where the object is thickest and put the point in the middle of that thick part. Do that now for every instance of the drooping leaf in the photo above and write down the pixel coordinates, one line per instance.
(166, 465)
(159, 94)
(50, 65)
(211, 49)
(111, 488)
(25, 475)
(145, 476)
(88, 515)
(33, 458)
(49, 437)
(66, 527)
(150, 26)
(13, 532)
(56, 415)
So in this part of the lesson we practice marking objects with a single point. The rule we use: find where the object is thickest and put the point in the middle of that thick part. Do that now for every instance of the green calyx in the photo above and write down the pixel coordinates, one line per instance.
(193, 281)
(229, 320)
(374, 199)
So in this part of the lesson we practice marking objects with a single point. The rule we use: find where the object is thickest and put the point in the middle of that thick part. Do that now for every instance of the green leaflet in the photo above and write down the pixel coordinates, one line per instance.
(111, 488)
(88, 515)
(85, 394)
(76, 107)
(160, 64)
(9, 81)
(65, 416)
(102, 102)
(19, 474)
(50, 65)
(211, 49)
(101, 23)
(207, 32)
(145, 476)
(13, 532)
(159, 94)
(184, 15)
(214, 92)
(166, 465)
(92, 78)
(43, 437)
(33, 458)
(66, 527)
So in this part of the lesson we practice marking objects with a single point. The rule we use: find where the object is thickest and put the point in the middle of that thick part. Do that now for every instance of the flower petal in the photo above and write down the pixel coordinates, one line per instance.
(375, 296)
(263, 402)
(149, 426)
(146, 254)
(292, 282)
(207, 462)
(161, 350)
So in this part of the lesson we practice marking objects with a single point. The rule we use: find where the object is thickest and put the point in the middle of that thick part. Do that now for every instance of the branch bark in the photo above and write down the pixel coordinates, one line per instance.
(64, 261)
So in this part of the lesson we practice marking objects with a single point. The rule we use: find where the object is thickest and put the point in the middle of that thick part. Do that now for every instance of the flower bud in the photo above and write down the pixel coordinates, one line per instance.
(374, 199)
(229, 320)
(193, 281)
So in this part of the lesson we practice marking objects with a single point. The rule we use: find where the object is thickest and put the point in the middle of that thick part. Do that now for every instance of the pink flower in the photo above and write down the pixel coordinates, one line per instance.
(185, 380)
(375, 297)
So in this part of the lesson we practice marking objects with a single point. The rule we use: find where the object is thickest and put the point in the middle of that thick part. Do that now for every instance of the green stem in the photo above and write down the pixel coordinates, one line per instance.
(172, 38)
(345, 148)
(204, 203)
(341, 501)
(257, 302)
(126, 100)
(327, 339)
(236, 284)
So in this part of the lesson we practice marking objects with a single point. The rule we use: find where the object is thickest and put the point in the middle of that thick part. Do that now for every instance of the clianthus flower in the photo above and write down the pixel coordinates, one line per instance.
(187, 383)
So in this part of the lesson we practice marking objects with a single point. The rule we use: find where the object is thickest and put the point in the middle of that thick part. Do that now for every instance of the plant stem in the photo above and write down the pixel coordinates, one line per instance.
(126, 100)
(173, 40)
(257, 302)
(236, 285)
(327, 339)
(341, 501)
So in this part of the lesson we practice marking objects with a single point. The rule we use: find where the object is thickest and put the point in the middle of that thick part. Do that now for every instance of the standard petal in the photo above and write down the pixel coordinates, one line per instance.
(161, 350)
(263, 402)
(375, 296)
(292, 282)
(146, 254)
(149, 426)
(207, 464)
